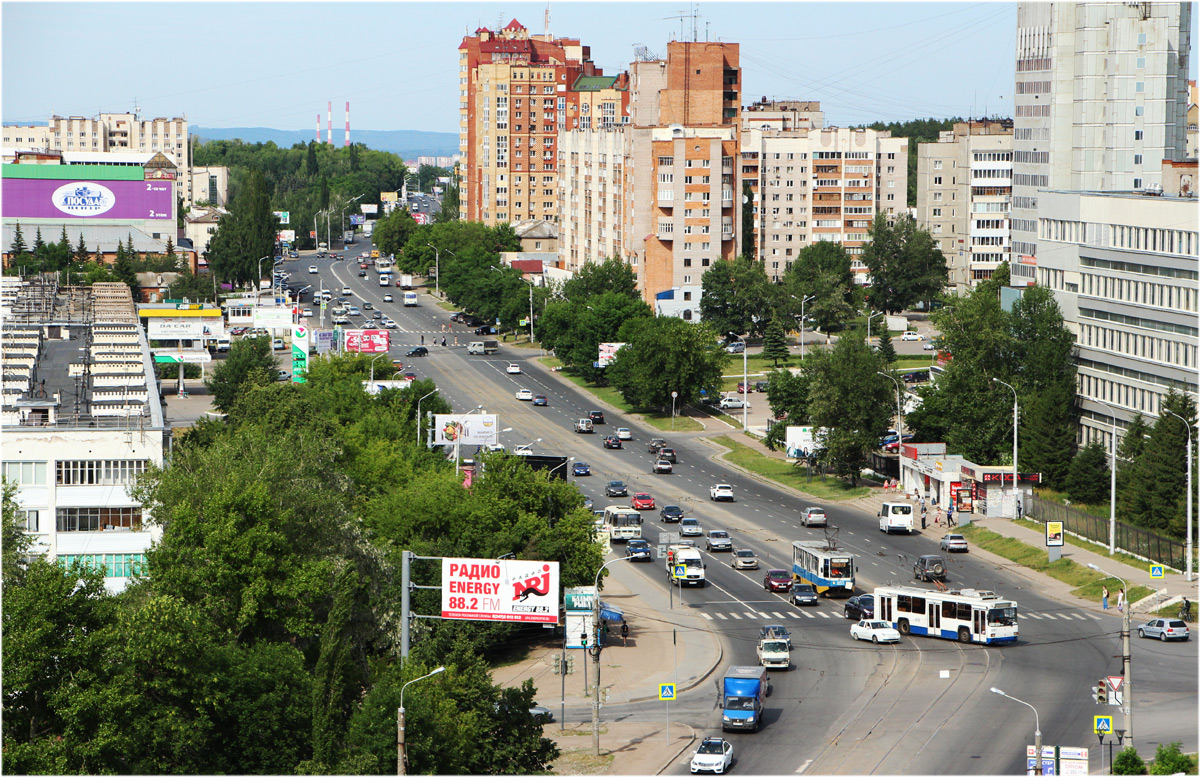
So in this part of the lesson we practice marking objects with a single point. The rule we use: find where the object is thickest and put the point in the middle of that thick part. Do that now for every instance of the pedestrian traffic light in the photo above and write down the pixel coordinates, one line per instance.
(1100, 692)
(556, 668)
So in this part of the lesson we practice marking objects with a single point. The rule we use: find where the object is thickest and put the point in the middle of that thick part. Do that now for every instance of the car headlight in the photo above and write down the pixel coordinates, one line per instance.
(726, 718)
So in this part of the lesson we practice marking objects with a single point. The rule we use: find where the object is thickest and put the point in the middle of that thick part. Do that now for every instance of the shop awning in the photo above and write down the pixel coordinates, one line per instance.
(610, 613)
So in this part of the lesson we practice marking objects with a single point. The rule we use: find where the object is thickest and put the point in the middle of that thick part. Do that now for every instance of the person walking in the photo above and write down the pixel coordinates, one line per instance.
(937, 517)
(624, 633)
(1121, 600)
(1020, 509)
(922, 513)
(422, 339)
(1104, 597)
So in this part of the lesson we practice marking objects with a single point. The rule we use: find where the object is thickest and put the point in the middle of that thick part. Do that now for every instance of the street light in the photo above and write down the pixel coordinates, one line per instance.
(257, 281)
(419, 421)
(527, 446)
(1187, 424)
(745, 386)
(596, 654)
(378, 356)
(342, 212)
(1037, 734)
(1112, 485)
(1016, 491)
(400, 752)
(1126, 656)
(458, 439)
(437, 260)
(899, 416)
(880, 313)
(803, 319)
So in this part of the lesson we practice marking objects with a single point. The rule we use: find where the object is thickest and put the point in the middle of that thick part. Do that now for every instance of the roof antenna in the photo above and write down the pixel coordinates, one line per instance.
(547, 23)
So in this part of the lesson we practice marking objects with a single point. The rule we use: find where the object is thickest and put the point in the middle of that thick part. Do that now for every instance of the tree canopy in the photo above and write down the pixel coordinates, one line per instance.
(905, 264)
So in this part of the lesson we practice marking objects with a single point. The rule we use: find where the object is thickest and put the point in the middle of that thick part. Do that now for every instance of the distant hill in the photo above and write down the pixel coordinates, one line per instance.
(408, 144)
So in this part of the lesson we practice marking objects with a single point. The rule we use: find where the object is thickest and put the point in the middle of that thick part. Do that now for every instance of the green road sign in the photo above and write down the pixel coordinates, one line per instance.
(666, 691)
(1102, 724)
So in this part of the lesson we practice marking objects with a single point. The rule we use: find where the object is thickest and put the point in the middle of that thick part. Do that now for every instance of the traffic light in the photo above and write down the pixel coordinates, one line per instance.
(1100, 692)
(556, 668)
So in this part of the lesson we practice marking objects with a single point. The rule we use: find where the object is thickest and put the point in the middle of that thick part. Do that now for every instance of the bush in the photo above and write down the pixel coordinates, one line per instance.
(1169, 759)
(1128, 762)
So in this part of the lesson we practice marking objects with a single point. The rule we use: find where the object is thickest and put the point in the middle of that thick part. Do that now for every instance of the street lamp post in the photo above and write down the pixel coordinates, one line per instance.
(675, 395)
(258, 281)
(1126, 656)
(871, 316)
(1112, 484)
(745, 386)
(596, 655)
(527, 446)
(342, 211)
(803, 320)
(1016, 409)
(377, 357)
(1037, 733)
(458, 440)
(1188, 544)
(401, 755)
(420, 422)
(899, 414)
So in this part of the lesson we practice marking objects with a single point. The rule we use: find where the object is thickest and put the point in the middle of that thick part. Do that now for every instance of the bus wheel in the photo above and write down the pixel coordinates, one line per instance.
(902, 626)
(964, 636)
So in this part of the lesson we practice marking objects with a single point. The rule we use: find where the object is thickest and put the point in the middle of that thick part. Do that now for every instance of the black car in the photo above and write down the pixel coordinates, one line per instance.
(418, 350)
(612, 441)
(803, 593)
(671, 513)
(655, 444)
(668, 454)
(929, 567)
(616, 488)
(596, 416)
(639, 549)
(860, 607)
(485, 330)
(915, 377)
(362, 273)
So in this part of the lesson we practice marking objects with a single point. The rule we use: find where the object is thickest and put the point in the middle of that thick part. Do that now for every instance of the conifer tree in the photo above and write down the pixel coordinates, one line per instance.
(887, 351)
(775, 344)
(1087, 477)
(18, 245)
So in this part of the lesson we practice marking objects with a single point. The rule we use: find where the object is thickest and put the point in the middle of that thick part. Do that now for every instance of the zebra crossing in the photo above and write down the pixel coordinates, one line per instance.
(815, 614)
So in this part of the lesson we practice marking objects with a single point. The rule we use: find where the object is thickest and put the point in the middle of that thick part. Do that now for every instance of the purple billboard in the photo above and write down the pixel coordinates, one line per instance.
(28, 198)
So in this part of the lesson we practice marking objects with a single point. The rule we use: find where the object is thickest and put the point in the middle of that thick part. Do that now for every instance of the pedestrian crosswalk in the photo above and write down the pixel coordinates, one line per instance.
(815, 614)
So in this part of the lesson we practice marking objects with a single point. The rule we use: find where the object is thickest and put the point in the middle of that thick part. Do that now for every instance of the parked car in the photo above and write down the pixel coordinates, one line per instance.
(894, 445)
(915, 377)
(581, 468)
(714, 755)
(733, 403)
(596, 416)
(954, 543)
(417, 350)
(859, 607)
(642, 501)
(911, 335)
(929, 567)
(638, 549)
(718, 539)
(624, 434)
(928, 346)
(525, 395)
(283, 375)
(875, 631)
(776, 631)
(670, 513)
(611, 441)
(616, 488)
(777, 580)
(742, 387)
(738, 347)
(813, 516)
(803, 593)
(1164, 629)
(655, 444)
(761, 386)
(277, 344)
(540, 401)
(663, 467)
(690, 527)
(744, 558)
(485, 330)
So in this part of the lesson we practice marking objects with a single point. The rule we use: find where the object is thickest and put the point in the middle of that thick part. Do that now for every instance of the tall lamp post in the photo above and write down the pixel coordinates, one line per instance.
(745, 386)
(1112, 485)
(258, 281)
(596, 655)
(1037, 732)
(1188, 545)
(871, 316)
(803, 320)
(420, 421)
(342, 211)
(437, 263)
(377, 357)
(401, 755)
(1126, 658)
(899, 416)
(1016, 411)
(527, 446)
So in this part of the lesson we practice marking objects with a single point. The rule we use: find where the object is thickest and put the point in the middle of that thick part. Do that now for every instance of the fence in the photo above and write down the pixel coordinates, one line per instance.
(1130, 539)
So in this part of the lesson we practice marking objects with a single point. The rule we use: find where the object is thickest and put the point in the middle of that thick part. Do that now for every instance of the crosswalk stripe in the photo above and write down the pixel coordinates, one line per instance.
(1094, 617)
(1033, 615)
(706, 615)
(792, 614)
(823, 614)
(1064, 616)
(777, 614)
(735, 616)
(721, 615)
(808, 614)
(751, 614)
(1079, 616)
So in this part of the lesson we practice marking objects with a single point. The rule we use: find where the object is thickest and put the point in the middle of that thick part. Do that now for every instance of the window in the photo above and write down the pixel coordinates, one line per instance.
(1141, 63)
(1139, 86)
(1139, 110)
(1137, 159)
(1141, 39)
(27, 520)
(98, 473)
(98, 518)
(937, 164)
(937, 180)
(113, 564)
(25, 473)
(1137, 135)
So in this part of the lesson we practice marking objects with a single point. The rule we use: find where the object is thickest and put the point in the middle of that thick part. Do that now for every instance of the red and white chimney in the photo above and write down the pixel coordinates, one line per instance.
(329, 125)
(347, 124)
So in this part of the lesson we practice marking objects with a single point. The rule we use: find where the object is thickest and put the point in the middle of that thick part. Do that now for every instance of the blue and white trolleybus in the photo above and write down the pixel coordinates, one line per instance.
(966, 615)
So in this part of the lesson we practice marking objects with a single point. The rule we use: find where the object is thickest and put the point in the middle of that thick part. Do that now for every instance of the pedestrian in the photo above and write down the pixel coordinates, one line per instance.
(1020, 509)
(937, 518)
(624, 633)
(456, 339)
(422, 339)
(443, 340)
(1121, 600)
(443, 327)
(1104, 597)
(922, 518)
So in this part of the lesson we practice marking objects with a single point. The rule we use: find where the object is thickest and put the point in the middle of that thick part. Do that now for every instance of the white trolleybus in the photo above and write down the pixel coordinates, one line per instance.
(828, 570)
(966, 615)
(622, 523)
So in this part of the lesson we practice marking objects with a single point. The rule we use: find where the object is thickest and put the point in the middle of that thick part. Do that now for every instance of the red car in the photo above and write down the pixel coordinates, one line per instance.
(778, 580)
(741, 389)
(643, 502)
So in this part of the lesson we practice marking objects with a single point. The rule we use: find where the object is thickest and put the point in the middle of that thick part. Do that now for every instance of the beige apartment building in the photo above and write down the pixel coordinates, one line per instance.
(106, 132)
(591, 189)
(964, 197)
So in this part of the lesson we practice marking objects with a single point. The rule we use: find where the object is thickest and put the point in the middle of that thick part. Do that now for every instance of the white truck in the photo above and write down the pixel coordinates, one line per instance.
(773, 653)
(406, 281)
(896, 516)
(410, 299)
(688, 558)
(368, 228)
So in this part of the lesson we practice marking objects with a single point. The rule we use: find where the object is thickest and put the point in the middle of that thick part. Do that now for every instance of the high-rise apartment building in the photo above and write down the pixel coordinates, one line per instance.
(106, 132)
(1100, 102)
(964, 193)
(512, 98)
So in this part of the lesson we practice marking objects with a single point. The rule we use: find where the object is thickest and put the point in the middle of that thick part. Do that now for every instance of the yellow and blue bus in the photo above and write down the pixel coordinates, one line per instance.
(828, 570)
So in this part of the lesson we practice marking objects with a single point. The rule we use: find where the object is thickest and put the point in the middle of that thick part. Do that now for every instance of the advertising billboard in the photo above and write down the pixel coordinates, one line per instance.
(468, 429)
(286, 236)
(607, 352)
(389, 196)
(357, 220)
(366, 340)
(421, 218)
(301, 338)
(376, 386)
(273, 318)
(32, 198)
(480, 589)
(184, 328)
(325, 340)
(369, 207)
(284, 217)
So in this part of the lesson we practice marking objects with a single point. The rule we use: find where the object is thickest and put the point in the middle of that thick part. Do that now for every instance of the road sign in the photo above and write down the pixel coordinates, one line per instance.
(1114, 682)
(680, 570)
(1047, 767)
(666, 691)
(1156, 571)
(1102, 724)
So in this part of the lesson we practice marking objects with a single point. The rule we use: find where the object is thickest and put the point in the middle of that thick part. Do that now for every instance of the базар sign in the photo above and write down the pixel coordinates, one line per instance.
(31, 198)
(480, 589)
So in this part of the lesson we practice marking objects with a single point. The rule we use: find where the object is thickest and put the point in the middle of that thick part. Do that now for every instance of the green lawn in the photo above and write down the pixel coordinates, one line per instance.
(660, 421)
(779, 470)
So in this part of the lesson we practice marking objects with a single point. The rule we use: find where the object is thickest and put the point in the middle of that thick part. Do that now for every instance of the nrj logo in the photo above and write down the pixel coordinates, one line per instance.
(83, 199)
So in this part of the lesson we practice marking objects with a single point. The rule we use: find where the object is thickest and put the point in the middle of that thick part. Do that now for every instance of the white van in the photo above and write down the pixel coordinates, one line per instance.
(896, 516)
(410, 299)
(223, 344)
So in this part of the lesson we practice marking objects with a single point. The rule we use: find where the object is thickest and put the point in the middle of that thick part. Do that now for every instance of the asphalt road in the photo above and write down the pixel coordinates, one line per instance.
(922, 706)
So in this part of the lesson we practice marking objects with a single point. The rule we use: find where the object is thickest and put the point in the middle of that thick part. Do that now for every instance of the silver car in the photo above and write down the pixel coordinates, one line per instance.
(954, 543)
(690, 527)
(744, 558)
(1164, 629)
(719, 540)
(813, 516)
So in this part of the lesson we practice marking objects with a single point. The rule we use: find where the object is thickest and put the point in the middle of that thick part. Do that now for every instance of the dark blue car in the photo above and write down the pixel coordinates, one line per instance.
(638, 549)
(539, 401)
(581, 468)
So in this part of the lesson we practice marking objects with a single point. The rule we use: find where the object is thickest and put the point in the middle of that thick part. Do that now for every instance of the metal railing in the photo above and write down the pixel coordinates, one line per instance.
(1134, 540)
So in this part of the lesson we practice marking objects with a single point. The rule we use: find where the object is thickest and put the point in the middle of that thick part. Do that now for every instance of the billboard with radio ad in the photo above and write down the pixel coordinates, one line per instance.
(33, 198)
(480, 589)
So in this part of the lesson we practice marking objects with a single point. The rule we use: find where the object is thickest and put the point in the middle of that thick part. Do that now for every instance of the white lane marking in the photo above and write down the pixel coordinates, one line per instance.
(706, 615)
(803, 766)
(777, 614)
(750, 614)
(792, 614)
(1079, 616)
(808, 614)
(1035, 616)
(721, 615)
(1094, 617)
(735, 616)
(823, 614)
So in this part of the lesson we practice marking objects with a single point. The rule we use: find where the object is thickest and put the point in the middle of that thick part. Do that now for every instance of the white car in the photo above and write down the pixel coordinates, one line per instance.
(734, 403)
(525, 395)
(277, 344)
(346, 292)
(513, 369)
(722, 492)
(875, 631)
(312, 269)
(690, 527)
(308, 313)
(912, 336)
(624, 434)
(713, 755)
(387, 297)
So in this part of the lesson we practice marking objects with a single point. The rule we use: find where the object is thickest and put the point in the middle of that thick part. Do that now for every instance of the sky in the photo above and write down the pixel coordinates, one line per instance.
(278, 64)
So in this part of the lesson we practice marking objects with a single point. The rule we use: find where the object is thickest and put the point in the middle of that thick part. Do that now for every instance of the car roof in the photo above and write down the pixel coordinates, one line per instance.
(718, 531)
(773, 571)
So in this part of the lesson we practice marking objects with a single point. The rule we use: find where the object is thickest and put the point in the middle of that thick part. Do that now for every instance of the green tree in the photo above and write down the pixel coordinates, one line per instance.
(192, 287)
(39, 244)
(905, 264)
(392, 232)
(747, 221)
(1159, 504)
(666, 354)
(246, 234)
(341, 671)
(887, 351)
(14, 542)
(822, 270)
(1087, 478)
(737, 298)
(574, 329)
(787, 394)
(1170, 759)
(1128, 762)
(18, 248)
(596, 278)
(449, 208)
(850, 401)
(775, 344)
(81, 254)
(1048, 437)
(250, 363)
(1129, 451)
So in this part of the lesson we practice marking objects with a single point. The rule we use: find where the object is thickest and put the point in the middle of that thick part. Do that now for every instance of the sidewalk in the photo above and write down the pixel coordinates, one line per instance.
(665, 646)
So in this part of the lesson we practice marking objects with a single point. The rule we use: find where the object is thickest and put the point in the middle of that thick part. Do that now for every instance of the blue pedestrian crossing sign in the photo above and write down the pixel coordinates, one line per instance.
(1156, 571)
(680, 570)
(666, 691)
(1102, 724)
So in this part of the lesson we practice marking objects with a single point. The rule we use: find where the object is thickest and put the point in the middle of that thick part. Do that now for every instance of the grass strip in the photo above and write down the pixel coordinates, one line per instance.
(660, 421)
(780, 471)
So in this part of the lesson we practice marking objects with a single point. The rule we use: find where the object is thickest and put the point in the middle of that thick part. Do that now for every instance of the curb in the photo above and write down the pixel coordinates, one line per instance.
(681, 750)
(707, 673)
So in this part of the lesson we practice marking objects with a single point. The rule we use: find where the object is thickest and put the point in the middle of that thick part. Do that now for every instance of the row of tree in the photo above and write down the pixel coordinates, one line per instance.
(264, 635)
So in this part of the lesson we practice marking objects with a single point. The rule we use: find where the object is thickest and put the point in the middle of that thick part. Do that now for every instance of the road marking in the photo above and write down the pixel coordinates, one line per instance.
(777, 614)
(706, 615)
(735, 616)
(803, 766)
(721, 615)
(751, 614)
(808, 614)
(1033, 615)
(1094, 617)
(1064, 616)
(823, 614)
(765, 616)
(792, 614)
(1079, 616)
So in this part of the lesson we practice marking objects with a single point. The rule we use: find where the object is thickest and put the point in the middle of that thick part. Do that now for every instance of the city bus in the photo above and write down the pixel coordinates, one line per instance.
(828, 570)
(966, 615)
(622, 523)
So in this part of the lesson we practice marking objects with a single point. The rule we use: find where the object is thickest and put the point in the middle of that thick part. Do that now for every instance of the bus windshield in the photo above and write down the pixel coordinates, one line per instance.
(1002, 616)
(839, 567)
(740, 702)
